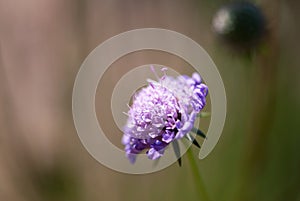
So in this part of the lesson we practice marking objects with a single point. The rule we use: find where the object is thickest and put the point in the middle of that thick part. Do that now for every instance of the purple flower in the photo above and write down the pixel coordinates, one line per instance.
(162, 112)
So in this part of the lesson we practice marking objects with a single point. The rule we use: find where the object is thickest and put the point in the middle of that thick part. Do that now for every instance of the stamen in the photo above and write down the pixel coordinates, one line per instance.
(152, 85)
(165, 74)
(164, 70)
(154, 72)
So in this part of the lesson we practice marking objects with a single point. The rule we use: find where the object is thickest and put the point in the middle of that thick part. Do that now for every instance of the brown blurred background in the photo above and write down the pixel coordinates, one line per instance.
(44, 42)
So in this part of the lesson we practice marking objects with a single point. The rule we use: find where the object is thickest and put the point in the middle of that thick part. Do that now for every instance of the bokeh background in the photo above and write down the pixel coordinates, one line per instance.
(44, 42)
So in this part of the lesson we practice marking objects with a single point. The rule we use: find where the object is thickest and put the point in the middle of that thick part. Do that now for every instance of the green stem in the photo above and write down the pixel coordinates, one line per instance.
(263, 104)
(203, 195)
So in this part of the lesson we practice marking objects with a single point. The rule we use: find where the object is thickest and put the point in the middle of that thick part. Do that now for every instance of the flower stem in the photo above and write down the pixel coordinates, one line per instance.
(203, 195)
(264, 105)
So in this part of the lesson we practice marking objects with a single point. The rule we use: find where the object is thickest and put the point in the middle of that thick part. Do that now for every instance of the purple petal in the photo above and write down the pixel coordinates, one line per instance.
(196, 77)
(154, 154)
(125, 139)
(131, 157)
(168, 137)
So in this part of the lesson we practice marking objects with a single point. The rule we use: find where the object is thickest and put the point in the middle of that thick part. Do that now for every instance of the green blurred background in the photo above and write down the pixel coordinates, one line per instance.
(44, 42)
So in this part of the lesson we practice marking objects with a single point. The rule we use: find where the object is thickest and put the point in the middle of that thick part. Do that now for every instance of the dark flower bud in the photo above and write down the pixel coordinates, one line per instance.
(240, 24)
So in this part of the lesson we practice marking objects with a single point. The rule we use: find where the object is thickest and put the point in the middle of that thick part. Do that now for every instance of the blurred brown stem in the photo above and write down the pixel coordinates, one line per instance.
(264, 102)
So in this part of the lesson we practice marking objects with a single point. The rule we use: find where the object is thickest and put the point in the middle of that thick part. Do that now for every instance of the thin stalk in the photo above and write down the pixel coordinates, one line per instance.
(264, 102)
(202, 193)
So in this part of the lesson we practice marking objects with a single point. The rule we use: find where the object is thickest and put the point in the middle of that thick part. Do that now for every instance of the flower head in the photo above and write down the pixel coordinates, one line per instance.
(162, 112)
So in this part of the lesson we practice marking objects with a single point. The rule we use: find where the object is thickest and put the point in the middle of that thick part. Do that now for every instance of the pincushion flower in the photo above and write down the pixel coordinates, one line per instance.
(161, 113)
